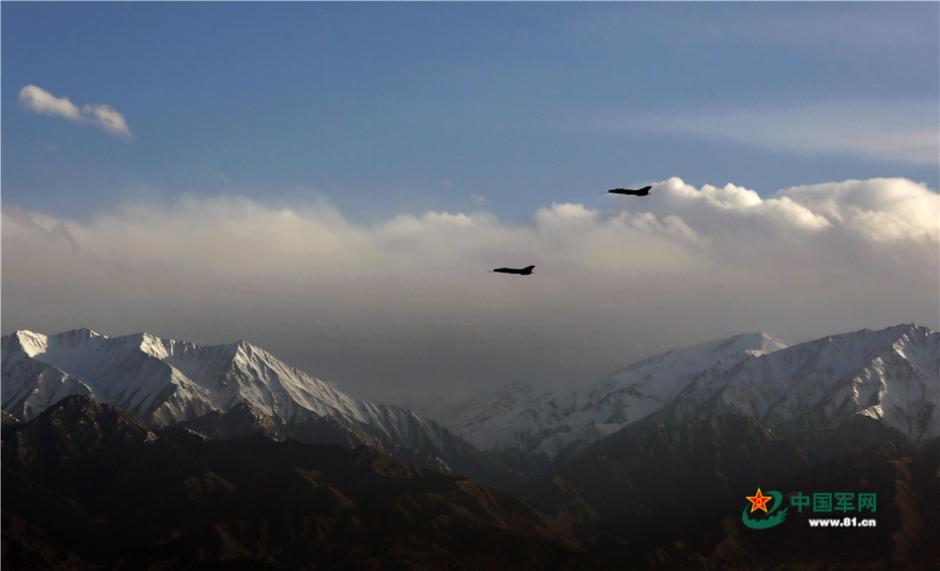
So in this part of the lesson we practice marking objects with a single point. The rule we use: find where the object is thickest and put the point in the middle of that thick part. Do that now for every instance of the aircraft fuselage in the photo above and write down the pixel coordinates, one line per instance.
(526, 271)
(631, 192)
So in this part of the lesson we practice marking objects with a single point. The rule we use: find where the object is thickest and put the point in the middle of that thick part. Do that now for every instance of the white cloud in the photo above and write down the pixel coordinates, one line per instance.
(899, 210)
(41, 101)
(38, 100)
(108, 119)
(408, 304)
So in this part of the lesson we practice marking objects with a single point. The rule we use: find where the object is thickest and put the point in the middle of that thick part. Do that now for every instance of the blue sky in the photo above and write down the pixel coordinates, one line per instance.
(388, 108)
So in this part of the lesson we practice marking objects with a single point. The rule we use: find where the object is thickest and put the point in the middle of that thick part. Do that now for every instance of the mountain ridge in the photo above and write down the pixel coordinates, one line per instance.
(736, 375)
(165, 382)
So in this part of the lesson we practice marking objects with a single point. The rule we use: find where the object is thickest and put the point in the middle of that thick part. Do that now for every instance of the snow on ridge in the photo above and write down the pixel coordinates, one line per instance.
(31, 343)
(890, 374)
(517, 416)
(34, 343)
(706, 354)
(164, 381)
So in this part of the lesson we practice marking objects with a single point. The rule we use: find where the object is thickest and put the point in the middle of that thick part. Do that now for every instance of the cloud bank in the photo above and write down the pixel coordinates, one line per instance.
(38, 100)
(407, 307)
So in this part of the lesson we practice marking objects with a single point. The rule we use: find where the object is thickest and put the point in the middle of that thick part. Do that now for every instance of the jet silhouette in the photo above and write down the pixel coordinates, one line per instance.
(638, 192)
(526, 271)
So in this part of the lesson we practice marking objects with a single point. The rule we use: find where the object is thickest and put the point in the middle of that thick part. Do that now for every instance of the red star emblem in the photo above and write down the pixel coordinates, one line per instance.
(758, 501)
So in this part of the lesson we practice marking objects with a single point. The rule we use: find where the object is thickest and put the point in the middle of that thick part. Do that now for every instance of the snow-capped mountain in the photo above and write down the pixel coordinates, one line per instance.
(164, 382)
(890, 375)
(518, 418)
(485, 417)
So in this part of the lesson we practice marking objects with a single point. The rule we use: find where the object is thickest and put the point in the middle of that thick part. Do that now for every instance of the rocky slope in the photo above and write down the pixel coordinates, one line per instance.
(86, 485)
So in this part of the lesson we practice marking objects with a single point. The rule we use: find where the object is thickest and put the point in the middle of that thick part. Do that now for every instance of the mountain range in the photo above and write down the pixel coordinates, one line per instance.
(222, 390)
(141, 452)
(891, 375)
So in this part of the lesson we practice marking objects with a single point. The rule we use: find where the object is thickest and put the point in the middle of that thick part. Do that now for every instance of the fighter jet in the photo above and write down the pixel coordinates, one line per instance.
(638, 192)
(526, 271)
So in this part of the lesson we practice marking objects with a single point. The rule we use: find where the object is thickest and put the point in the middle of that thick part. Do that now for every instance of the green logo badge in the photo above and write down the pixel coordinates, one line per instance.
(771, 518)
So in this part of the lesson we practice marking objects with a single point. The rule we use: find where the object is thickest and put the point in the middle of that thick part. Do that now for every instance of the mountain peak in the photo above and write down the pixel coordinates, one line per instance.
(80, 334)
(34, 343)
(877, 339)
(150, 344)
(31, 342)
(910, 329)
(894, 369)
(75, 405)
(754, 343)
(244, 347)
(162, 382)
(889, 374)
(82, 414)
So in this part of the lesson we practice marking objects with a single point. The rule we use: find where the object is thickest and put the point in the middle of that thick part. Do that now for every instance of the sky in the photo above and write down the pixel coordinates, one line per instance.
(332, 181)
